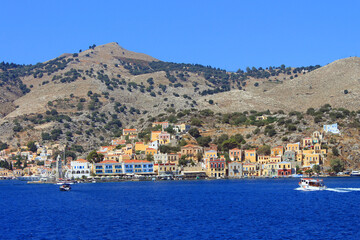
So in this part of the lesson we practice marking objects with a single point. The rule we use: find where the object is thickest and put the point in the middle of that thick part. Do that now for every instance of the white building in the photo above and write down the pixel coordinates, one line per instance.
(80, 168)
(160, 158)
(235, 169)
(332, 128)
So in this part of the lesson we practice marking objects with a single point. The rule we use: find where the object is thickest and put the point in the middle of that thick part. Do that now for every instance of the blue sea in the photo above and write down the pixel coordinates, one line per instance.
(218, 209)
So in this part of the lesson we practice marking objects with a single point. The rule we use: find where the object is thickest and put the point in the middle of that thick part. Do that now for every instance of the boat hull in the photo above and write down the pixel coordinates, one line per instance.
(312, 188)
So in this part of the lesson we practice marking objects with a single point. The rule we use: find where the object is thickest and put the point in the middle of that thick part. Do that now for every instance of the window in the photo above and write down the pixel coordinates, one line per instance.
(108, 166)
(108, 171)
(99, 167)
(118, 166)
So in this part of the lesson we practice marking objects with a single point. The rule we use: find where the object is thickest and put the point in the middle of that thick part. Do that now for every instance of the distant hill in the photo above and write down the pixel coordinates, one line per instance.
(85, 98)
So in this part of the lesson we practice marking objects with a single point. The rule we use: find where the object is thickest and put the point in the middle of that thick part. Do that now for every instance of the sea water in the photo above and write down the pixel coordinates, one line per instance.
(218, 209)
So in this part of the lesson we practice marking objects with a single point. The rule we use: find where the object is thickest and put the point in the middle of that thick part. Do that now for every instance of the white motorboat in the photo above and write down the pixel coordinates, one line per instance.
(355, 173)
(311, 184)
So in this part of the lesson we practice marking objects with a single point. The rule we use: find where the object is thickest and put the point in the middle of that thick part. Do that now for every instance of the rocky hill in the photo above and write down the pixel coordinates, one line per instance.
(87, 97)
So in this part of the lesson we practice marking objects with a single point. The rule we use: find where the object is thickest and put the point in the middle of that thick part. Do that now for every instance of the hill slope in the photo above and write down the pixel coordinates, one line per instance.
(86, 97)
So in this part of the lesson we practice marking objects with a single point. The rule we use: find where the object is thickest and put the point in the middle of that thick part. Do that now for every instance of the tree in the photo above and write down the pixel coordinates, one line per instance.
(316, 169)
(195, 122)
(264, 150)
(211, 101)
(194, 132)
(94, 157)
(150, 158)
(309, 171)
(335, 151)
(204, 141)
(31, 146)
(229, 144)
(298, 170)
(170, 129)
(183, 161)
(337, 165)
(3, 146)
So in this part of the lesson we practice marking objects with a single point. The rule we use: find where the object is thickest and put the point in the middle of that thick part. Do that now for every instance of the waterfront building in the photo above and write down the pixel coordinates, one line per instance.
(270, 169)
(284, 169)
(251, 169)
(108, 168)
(166, 169)
(80, 168)
(216, 167)
(138, 167)
(235, 169)
(5, 173)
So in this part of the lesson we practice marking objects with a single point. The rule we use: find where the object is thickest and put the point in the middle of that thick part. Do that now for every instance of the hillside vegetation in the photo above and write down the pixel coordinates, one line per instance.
(85, 98)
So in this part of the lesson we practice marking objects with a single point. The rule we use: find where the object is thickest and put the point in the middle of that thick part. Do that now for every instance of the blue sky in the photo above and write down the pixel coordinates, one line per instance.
(225, 34)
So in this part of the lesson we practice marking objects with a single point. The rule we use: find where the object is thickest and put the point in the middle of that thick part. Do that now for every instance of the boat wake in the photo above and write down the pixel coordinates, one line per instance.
(340, 190)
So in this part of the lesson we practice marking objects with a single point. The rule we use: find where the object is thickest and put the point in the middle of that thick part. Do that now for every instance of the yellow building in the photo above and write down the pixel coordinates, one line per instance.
(210, 154)
(293, 147)
(275, 159)
(5, 173)
(251, 169)
(262, 159)
(270, 169)
(216, 167)
(150, 151)
(128, 131)
(155, 135)
(310, 159)
(279, 150)
(299, 157)
(124, 157)
(250, 156)
(166, 169)
(140, 146)
(111, 157)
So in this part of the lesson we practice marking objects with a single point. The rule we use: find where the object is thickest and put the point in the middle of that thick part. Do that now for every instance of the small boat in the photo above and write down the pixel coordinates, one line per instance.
(355, 173)
(65, 187)
(311, 184)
